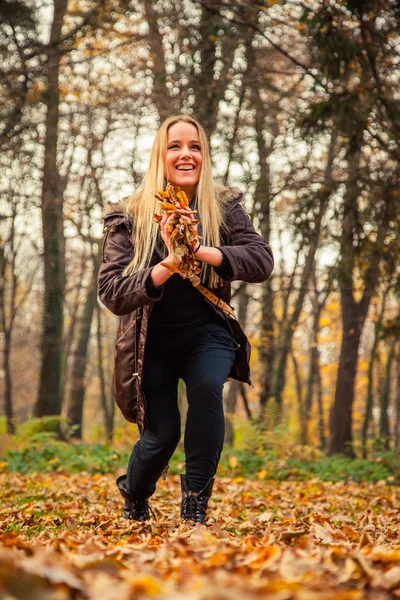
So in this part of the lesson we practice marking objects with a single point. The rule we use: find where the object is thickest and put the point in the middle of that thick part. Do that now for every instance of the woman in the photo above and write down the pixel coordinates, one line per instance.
(168, 329)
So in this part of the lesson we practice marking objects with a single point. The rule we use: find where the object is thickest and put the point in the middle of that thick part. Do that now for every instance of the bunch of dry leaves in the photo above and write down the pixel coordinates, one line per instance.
(62, 538)
(181, 227)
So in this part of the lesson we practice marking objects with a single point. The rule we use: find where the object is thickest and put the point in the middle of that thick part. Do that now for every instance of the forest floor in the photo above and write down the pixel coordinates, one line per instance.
(61, 537)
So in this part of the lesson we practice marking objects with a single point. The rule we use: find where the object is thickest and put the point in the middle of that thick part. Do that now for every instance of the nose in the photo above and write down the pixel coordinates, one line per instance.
(185, 151)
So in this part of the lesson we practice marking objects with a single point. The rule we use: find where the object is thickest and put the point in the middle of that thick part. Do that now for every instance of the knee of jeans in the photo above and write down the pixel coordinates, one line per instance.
(168, 440)
(208, 385)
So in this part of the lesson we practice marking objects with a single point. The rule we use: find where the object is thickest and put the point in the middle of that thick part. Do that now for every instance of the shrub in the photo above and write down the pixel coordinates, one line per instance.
(44, 453)
(54, 424)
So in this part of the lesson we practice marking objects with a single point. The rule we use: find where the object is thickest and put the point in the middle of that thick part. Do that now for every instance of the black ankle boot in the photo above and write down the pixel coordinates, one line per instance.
(134, 509)
(194, 507)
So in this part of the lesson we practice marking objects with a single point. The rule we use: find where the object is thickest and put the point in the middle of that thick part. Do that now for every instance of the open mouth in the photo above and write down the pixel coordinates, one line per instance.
(185, 167)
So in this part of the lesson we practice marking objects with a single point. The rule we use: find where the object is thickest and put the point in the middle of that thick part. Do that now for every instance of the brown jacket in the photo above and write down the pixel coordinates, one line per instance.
(249, 256)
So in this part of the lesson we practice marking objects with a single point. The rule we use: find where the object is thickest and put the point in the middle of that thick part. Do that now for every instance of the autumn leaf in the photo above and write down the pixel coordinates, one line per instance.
(168, 206)
(63, 538)
(183, 199)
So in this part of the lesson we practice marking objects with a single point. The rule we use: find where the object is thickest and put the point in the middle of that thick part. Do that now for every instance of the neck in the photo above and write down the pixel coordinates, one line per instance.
(190, 192)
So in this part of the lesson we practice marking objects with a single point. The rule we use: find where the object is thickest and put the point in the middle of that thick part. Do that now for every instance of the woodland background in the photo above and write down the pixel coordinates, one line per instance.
(301, 102)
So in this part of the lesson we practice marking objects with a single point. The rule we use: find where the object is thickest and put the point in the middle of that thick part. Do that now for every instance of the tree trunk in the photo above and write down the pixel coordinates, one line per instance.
(166, 105)
(8, 403)
(353, 313)
(77, 388)
(341, 417)
(312, 373)
(370, 390)
(233, 138)
(208, 89)
(397, 415)
(311, 380)
(230, 403)
(314, 382)
(70, 334)
(49, 399)
(266, 344)
(353, 318)
(7, 316)
(384, 430)
(321, 424)
(299, 390)
(396, 459)
(262, 207)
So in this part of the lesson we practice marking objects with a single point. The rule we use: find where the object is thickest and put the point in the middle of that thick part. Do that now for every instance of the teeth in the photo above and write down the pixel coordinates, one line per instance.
(185, 168)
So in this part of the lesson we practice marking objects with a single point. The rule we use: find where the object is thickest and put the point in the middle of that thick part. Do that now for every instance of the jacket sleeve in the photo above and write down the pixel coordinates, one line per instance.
(121, 294)
(249, 254)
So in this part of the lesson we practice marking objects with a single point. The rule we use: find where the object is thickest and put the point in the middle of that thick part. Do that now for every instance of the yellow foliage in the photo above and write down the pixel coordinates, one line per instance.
(233, 462)
(238, 480)
(146, 586)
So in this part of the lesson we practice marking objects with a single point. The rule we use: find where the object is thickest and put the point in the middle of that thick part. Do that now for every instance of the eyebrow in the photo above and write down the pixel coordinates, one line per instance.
(179, 141)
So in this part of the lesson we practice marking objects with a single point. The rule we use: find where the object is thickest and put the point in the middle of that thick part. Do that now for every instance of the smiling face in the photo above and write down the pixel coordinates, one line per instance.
(184, 158)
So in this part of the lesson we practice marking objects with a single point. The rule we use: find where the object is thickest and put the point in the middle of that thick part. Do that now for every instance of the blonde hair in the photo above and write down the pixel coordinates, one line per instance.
(142, 205)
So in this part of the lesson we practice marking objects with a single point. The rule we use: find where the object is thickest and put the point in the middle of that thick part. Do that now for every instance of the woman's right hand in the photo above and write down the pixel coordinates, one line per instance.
(171, 259)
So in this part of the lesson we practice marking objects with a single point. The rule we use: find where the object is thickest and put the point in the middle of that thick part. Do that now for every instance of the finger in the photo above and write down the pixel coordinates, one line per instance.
(166, 220)
(191, 225)
(165, 231)
(171, 224)
(171, 217)
(189, 217)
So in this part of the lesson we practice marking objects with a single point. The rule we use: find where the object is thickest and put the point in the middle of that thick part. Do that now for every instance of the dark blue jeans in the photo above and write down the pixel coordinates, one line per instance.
(203, 358)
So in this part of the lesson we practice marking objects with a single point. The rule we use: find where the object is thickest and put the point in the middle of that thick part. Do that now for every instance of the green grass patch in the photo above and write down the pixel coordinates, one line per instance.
(270, 466)
(45, 453)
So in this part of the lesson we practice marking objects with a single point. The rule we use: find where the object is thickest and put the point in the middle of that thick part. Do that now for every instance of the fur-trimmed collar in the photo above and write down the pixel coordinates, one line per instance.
(229, 194)
(115, 208)
(226, 195)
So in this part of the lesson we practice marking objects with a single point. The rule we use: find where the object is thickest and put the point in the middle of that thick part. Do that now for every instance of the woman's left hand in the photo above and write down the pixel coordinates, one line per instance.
(190, 219)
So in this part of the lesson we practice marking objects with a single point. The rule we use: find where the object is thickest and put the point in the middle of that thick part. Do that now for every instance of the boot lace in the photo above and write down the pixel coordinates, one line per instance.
(192, 508)
(141, 511)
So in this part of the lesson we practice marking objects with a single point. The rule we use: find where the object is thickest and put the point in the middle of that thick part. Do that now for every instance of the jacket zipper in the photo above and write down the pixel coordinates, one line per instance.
(137, 366)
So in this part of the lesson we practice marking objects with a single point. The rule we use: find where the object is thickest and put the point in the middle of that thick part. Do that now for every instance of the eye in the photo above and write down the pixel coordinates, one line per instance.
(172, 146)
(196, 146)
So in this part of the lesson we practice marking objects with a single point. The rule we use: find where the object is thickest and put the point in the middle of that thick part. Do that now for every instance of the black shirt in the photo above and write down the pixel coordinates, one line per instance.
(181, 307)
